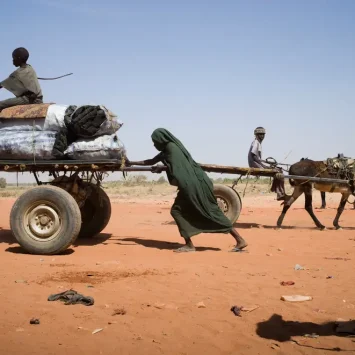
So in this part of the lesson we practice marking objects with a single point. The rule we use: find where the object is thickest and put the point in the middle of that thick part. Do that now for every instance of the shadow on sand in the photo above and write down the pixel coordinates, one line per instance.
(7, 238)
(280, 330)
(158, 244)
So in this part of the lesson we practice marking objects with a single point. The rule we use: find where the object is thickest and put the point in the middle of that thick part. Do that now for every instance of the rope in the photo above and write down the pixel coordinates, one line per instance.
(58, 77)
(33, 142)
(246, 185)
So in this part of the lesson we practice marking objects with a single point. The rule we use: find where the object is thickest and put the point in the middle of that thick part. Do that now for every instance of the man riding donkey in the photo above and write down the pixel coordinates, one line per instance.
(23, 82)
(255, 161)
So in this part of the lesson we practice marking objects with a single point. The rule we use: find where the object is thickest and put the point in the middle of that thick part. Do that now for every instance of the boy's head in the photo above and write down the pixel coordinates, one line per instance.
(20, 56)
(259, 133)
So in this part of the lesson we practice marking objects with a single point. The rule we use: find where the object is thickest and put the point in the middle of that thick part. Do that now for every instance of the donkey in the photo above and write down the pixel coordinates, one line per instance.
(311, 168)
(324, 204)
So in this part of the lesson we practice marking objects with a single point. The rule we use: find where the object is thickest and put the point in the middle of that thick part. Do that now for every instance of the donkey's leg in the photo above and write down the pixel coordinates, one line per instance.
(344, 198)
(322, 195)
(309, 208)
(297, 192)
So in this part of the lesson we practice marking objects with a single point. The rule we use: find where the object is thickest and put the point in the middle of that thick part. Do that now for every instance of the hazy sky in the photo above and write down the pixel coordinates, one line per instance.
(209, 71)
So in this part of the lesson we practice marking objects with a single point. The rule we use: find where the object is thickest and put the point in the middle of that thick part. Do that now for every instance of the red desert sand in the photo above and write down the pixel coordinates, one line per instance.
(131, 267)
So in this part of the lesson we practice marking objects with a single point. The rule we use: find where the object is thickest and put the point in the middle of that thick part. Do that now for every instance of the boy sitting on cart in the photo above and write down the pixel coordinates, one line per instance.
(254, 161)
(23, 82)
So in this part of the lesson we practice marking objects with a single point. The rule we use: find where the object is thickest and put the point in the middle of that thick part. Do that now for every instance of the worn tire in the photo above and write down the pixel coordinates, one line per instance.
(45, 220)
(229, 201)
(96, 213)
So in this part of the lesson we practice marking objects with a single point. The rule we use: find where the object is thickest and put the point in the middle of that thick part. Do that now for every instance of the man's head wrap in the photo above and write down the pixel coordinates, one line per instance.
(259, 130)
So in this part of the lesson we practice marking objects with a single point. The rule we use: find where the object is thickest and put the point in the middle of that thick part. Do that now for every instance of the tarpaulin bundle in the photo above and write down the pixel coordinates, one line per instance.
(91, 121)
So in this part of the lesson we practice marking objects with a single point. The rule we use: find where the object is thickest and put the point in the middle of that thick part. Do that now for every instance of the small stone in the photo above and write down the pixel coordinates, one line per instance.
(34, 321)
(298, 267)
(313, 336)
(268, 254)
(201, 305)
(279, 249)
(119, 312)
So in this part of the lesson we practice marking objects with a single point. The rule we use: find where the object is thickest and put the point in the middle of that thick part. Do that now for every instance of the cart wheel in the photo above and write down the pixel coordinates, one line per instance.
(228, 201)
(45, 220)
(96, 213)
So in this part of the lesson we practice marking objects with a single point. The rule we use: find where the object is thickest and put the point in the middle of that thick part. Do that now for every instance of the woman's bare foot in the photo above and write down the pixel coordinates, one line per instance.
(241, 243)
(189, 247)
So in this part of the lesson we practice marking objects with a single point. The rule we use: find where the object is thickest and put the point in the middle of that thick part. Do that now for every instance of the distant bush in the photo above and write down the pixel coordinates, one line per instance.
(2, 183)
(161, 180)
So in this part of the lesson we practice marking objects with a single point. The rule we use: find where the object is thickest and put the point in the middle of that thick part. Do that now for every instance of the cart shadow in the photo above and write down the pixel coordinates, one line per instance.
(92, 241)
(276, 328)
(7, 238)
(159, 244)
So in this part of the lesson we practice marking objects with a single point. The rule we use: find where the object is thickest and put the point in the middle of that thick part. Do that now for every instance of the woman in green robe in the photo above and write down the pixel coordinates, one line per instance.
(195, 209)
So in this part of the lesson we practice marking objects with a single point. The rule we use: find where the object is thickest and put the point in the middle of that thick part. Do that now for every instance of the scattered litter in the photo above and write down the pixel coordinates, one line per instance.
(90, 286)
(119, 312)
(287, 283)
(237, 310)
(201, 305)
(344, 259)
(268, 254)
(298, 267)
(90, 275)
(279, 249)
(97, 330)
(72, 297)
(329, 277)
(249, 309)
(296, 298)
(154, 341)
(82, 328)
(34, 321)
(159, 305)
(313, 336)
(111, 322)
(21, 281)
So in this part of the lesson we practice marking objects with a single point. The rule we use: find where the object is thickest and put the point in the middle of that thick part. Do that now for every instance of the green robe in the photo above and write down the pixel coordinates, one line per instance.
(195, 209)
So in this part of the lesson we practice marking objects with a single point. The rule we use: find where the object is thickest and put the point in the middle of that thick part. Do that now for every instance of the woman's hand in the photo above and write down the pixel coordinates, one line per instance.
(157, 169)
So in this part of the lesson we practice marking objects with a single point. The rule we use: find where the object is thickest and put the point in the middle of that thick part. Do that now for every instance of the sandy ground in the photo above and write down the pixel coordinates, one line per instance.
(131, 266)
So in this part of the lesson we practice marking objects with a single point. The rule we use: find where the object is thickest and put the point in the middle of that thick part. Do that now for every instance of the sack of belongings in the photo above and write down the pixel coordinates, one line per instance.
(51, 131)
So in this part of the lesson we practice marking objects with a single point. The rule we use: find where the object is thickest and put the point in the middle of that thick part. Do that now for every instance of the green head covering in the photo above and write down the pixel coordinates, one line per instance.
(161, 138)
